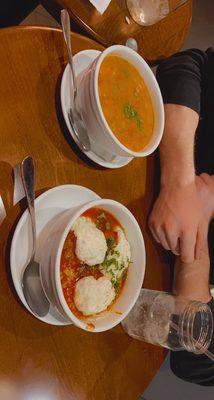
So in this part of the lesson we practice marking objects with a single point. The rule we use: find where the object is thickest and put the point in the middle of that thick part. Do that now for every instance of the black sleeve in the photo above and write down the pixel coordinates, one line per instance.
(181, 78)
(193, 367)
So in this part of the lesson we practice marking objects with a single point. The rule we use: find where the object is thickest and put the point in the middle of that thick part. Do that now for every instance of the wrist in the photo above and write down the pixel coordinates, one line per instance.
(177, 167)
(176, 177)
(187, 277)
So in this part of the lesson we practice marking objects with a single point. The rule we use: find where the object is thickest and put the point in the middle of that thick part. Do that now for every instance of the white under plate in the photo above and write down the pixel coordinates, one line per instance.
(47, 206)
(81, 62)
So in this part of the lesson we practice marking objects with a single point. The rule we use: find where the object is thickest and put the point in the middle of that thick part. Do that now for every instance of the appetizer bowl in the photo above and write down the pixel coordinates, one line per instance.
(50, 266)
(89, 104)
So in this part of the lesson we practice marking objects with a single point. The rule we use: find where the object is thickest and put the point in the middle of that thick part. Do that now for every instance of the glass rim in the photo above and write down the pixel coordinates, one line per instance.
(187, 324)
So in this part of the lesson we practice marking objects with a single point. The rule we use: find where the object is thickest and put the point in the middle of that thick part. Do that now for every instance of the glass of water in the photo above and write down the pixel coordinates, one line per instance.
(148, 12)
(165, 320)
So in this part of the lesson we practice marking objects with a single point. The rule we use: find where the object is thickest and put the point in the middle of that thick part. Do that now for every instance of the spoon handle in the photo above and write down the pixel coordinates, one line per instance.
(28, 178)
(66, 28)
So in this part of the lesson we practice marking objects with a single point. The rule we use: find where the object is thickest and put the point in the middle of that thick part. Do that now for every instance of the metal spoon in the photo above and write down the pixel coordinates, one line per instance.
(75, 118)
(31, 284)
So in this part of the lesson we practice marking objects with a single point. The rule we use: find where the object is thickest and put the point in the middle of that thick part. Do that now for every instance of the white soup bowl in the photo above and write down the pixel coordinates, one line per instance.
(101, 136)
(51, 257)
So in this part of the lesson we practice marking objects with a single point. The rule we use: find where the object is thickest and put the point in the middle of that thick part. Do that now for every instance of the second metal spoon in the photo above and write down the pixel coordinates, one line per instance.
(75, 118)
(31, 283)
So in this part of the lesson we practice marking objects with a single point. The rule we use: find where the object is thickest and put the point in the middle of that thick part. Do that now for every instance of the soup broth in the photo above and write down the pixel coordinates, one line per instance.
(126, 102)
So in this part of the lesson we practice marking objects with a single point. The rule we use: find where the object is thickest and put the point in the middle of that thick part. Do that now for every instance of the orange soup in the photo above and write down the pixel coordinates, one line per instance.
(126, 102)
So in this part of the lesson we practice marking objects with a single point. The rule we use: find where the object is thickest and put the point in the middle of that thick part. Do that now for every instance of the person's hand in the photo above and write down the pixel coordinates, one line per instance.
(205, 187)
(188, 276)
(177, 221)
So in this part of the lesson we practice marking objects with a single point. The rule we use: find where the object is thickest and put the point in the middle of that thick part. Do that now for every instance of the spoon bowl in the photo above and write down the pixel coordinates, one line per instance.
(33, 291)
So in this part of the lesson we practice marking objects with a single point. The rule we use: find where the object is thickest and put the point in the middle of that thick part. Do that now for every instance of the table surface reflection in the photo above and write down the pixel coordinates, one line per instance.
(154, 42)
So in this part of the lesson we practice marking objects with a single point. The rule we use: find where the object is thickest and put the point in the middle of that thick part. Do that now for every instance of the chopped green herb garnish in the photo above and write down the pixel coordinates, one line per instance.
(138, 121)
(122, 266)
(113, 252)
(98, 225)
(110, 261)
(108, 226)
(81, 269)
(94, 268)
(130, 112)
(116, 285)
(101, 216)
(110, 242)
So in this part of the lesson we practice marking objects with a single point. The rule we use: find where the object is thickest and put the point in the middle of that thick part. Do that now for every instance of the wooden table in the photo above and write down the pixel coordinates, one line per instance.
(155, 42)
(47, 362)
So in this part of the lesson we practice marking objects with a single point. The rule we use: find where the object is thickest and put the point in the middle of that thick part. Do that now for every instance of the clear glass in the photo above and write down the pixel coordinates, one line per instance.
(148, 12)
(168, 321)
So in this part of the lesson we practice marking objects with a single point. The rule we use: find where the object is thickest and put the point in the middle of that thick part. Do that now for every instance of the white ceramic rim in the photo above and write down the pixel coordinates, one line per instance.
(70, 315)
(97, 98)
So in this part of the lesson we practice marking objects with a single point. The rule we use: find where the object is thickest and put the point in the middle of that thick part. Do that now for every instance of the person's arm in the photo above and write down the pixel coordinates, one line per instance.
(191, 281)
(176, 220)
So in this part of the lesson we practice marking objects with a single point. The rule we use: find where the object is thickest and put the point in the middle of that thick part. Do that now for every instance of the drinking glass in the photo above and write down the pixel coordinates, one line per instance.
(148, 12)
(165, 320)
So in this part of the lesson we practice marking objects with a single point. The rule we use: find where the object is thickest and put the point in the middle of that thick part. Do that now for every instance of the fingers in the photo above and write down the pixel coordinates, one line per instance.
(157, 232)
(162, 238)
(154, 234)
(206, 178)
(159, 235)
(169, 238)
(187, 246)
(201, 241)
(190, 246)
(172, 238)
(152, 227)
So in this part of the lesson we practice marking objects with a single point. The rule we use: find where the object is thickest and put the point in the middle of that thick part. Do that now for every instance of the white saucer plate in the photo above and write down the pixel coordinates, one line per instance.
(48, 206)
(81, 62)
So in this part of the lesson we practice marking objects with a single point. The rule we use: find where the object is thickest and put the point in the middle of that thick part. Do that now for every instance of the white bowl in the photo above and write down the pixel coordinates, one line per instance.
(88, 102)
(50, 265)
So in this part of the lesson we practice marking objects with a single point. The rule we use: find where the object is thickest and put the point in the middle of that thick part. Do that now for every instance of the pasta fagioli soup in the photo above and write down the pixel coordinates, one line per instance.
(126, 102)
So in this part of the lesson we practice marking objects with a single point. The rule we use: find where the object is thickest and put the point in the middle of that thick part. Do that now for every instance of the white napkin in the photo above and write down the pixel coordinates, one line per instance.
(100, 5)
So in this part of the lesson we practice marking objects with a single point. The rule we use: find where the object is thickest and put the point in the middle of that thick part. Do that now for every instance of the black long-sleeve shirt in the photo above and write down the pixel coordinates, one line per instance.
(187, 78)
